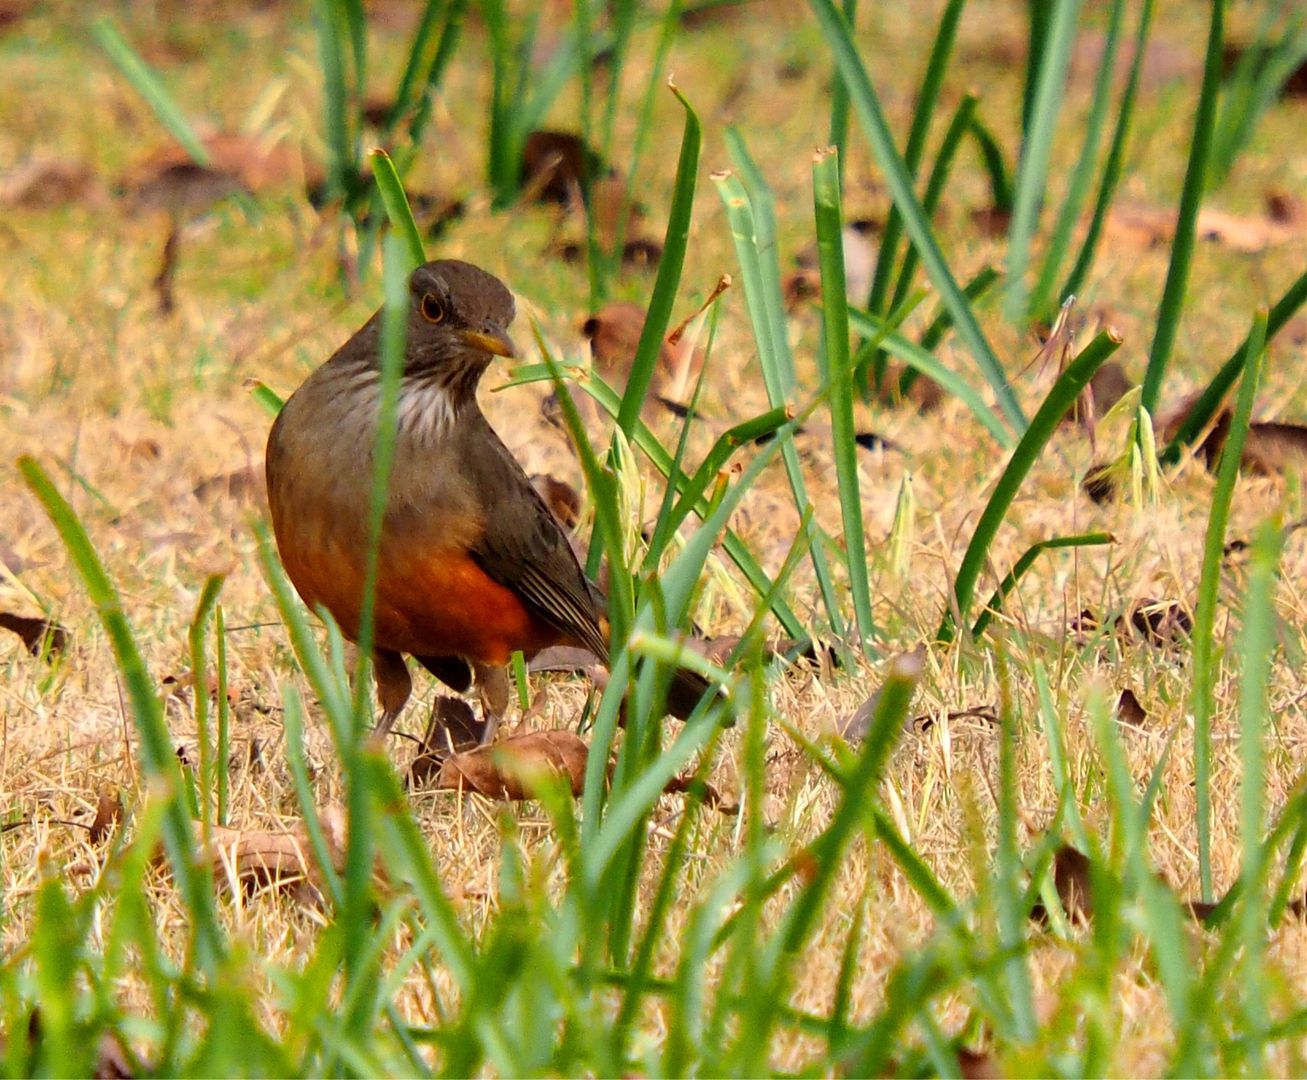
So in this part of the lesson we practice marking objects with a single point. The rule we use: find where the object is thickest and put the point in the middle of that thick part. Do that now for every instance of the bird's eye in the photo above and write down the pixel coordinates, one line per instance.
(432, 309)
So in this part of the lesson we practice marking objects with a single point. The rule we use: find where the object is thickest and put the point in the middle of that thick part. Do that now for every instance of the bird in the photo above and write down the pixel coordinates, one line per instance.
(472, 565)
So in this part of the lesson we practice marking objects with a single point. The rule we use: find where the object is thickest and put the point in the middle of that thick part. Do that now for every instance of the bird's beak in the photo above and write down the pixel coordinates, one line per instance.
(497, 343)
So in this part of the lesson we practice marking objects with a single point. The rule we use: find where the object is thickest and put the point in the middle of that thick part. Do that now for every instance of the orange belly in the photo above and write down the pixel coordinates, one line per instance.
(428, 603)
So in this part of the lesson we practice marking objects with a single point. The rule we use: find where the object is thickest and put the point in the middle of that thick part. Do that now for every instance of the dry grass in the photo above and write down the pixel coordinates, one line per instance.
(132, 413)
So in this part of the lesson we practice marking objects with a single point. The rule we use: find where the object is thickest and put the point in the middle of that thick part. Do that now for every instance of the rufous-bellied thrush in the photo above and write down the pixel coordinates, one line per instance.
(472, 565)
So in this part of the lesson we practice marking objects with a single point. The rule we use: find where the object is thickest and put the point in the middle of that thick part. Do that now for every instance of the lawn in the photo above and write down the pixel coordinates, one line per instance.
(937, 821)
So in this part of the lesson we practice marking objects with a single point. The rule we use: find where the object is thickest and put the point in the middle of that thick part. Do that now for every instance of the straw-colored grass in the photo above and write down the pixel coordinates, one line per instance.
(135, 414)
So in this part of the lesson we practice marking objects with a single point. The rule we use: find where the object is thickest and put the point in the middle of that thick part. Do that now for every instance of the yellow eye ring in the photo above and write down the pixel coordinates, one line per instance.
(432, 309)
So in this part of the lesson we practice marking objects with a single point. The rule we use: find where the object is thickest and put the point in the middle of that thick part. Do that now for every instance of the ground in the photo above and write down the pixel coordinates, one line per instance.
(147, 425)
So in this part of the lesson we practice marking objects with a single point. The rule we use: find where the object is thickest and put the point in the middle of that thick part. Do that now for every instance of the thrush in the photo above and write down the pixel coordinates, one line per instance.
(472, 565)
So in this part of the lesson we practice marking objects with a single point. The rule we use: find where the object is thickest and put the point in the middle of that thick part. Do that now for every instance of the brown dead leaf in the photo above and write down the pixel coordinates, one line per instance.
(554, 164)
(43, 183)
(244, 485)
(41, 636)
(1071, 878)
(108, 814)
(513, 768)
(561, 498)
(276, 860)
(708, 795)
(614, 334)
(1143, 227)
(923, 392)
(1108, 386)
(1269, 449)
(978, 1065)
(1100, 483)
(1161, 623)
(1129, 711)
(453, 729)
(991, 221)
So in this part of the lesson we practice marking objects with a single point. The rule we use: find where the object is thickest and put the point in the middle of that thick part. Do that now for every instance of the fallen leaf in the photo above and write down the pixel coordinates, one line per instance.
(1129, 711)
(554, 164)
(1071, 878)
(1100, 483)
(453, 728)
(1144, 227)
(614, 334)
(991, 221)
(513, 768)
(43, 183)
(978, 1065)
(708, 795)
(108, 814)
(1161, 622)
(561, 498)
(1269, 449)
(257, 859)
(42, 637)
(246, 485)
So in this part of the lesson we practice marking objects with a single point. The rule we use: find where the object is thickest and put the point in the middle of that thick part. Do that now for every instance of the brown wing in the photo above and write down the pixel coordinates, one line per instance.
(524, 548)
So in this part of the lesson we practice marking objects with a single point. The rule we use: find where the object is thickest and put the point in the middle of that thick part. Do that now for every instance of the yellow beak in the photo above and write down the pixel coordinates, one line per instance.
(498, 344)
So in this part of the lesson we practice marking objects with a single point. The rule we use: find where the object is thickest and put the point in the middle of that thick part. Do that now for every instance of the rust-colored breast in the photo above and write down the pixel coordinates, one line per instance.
(429, 603)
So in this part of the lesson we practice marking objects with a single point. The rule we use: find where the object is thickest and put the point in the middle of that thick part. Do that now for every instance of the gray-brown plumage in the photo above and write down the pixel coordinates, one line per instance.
(472, 565)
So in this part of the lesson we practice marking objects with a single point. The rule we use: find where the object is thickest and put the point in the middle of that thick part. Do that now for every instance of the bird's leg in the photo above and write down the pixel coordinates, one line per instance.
(394, 684)
(492, 689)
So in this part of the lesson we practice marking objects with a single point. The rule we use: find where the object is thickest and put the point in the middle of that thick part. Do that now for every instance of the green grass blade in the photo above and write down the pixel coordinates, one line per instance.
(923, 113)
(1259, 640)
(157, 755)
(1060, 398)
(920, 360)
(1037, 145)
(1042, 303)
(1008, 871)
(1112, 167)
(991, 156)
(766, 312)
(935, 185)
(1209, 401)
(766, 270)
(1204, 646)
(200, 691)
(669, 272)
(917, 226)
(1023, 564)
(839, 374)
(330, 26)
(658, 456)
(146, 83)
(397, 207)
(445, 50)
(1186, 226)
